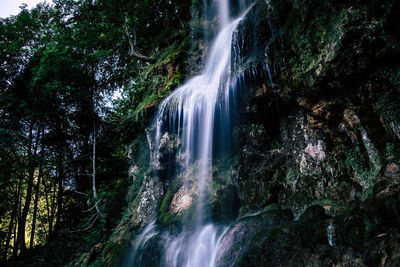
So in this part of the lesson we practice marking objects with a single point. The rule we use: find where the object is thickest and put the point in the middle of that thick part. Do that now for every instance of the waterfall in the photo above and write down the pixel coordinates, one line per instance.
(193, 106)
(189, 114)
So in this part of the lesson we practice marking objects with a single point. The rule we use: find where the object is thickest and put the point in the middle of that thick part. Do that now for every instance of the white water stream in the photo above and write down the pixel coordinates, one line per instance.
(190, 111)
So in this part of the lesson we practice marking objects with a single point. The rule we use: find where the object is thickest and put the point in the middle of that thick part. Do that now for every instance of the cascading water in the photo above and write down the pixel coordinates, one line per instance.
(148, 232)
(190, 114)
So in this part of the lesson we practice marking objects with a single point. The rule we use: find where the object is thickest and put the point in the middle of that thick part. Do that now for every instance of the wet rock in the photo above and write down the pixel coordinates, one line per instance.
(182, 200)
(177, 204)
(389, 182)
(169, 156)
(318, 112)
(148, 199)
(240, 240)
(312, 157)
(225, 204)
(132, 172)
(141, 210)
(166, 145)
(313, 221)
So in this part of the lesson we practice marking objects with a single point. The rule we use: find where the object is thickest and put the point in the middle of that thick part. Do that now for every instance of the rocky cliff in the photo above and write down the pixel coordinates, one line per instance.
(313, 177)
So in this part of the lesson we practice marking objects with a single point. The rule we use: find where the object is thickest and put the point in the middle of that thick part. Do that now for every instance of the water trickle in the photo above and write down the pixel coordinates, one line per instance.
(330, 230)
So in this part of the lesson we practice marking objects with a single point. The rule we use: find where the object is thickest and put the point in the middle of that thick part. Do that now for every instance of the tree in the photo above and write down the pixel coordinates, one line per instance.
(61, 151)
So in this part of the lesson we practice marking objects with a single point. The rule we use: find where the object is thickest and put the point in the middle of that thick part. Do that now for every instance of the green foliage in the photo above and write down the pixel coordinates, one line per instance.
(365, 169)
(311, 31)
(361, 221)
(276, 145)
(153, 83)
(58, 64)
(390, 151)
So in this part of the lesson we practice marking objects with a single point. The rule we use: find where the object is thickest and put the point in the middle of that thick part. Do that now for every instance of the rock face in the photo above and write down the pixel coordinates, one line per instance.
(311, 128)
(316, 156)
(320, 82)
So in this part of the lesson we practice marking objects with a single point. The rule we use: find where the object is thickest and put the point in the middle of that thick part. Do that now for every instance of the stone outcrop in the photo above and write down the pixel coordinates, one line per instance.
(316, 155)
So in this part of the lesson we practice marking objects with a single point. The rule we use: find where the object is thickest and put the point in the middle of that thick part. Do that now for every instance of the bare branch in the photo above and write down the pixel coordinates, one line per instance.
(134, 51)
(87, 228)
(95, 205)
(132, 43)
(80, 193)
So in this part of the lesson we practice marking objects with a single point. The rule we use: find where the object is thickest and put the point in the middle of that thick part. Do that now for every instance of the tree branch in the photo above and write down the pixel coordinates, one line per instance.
(132, 43)
(80, 193)
(87, 228)
(133, 50)
(95, 205)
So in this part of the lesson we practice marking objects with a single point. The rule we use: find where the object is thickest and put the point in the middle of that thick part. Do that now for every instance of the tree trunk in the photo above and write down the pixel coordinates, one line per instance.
(94, 168)
(57, 226)
(60, 174)
(15, 241)
(50, 208)
(37, 187)
(13, 215)
(19, 214)
(28, 198)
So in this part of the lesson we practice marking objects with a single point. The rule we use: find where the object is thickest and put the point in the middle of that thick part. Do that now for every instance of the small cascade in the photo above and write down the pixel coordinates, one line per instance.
(140, 241)
(194, 249)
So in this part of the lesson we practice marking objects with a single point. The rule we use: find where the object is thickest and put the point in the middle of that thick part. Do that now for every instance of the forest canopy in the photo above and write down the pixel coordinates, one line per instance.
(62, 134)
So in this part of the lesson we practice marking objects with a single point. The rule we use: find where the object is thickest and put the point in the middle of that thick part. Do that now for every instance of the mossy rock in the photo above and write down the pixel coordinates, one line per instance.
(312, 226)
(248, 237)
(175, 220)
(106, 254)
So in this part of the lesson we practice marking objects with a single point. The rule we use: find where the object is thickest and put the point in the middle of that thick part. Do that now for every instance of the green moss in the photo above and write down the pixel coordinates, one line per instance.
(392, 151)
(393, 76)
(106, 255)
(312, 31)
(222, 172)
(140, 157)
(155, 81)
(360, 221)
(389, 107)
(148, 101)
(271, 207)
(291, 178)
(365, 169)
(166, 218)
(224, 198)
